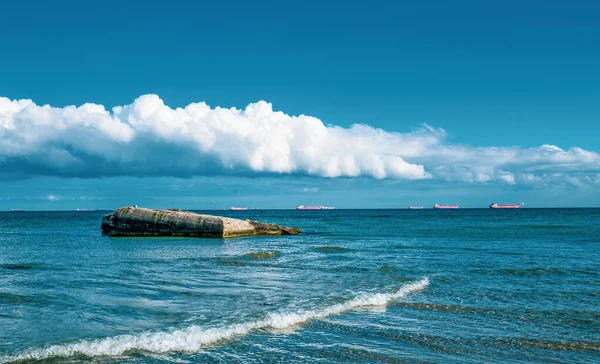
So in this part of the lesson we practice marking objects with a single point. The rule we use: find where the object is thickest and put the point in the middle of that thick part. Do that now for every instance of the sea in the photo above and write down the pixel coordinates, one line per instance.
(357, 286)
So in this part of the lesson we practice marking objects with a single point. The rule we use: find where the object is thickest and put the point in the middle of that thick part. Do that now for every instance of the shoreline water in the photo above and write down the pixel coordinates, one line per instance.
(502, 286)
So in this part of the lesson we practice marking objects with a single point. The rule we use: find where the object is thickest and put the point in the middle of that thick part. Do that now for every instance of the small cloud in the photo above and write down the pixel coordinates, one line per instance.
(181, 187)
(574, 181)
(51, 198)
(551, 148)
(307, 189)
(509, 178)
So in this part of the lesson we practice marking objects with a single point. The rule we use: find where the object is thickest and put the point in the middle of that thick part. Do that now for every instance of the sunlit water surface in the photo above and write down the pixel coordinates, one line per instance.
(357, 286)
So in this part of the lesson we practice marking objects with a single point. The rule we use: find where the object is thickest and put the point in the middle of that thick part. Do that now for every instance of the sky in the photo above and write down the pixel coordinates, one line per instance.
(271, 104)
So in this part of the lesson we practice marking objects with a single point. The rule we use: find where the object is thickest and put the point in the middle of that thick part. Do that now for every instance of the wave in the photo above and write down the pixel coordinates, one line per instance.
(584, 345)
(532, 271)
(440, 307)
(16, 266)
(262, 255)
(15, 298)
(506, 253)
(387, 268)
(27, 266)
(194, 338)
(231, 262)
(332, 249)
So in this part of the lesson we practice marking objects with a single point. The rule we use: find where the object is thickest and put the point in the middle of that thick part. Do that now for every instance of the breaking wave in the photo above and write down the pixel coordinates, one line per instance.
(194, 338)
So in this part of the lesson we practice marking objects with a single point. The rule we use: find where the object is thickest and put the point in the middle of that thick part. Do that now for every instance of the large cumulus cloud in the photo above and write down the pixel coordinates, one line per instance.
(148, 138)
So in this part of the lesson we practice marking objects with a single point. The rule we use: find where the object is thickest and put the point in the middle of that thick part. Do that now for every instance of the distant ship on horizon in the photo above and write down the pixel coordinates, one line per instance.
(302, 207)
(506, 206)
(436, 206)
(233, 208)
(415, 207)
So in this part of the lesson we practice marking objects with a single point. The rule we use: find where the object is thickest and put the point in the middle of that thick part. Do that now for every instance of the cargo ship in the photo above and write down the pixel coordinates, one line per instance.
(233, 208)
(436, 206)
(415, 207)
(302, 207)
(506, 206)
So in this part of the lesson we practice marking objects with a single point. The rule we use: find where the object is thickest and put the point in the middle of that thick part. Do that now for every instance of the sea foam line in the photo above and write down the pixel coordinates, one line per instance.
(194, 338)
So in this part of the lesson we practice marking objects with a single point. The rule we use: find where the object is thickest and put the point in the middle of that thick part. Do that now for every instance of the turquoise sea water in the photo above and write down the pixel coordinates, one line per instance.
(371, 286)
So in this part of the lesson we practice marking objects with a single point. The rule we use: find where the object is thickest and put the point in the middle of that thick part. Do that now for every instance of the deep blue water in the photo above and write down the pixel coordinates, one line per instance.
(371, 286)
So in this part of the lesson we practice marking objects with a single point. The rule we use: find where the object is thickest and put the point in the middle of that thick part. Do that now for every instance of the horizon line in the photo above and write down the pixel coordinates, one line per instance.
(337, 208)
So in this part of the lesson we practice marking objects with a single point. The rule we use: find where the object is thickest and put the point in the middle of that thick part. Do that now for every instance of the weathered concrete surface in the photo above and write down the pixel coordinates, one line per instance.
(136, 221)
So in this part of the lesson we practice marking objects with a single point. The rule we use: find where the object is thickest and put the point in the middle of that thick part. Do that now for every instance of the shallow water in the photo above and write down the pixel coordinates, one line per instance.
(358, 285)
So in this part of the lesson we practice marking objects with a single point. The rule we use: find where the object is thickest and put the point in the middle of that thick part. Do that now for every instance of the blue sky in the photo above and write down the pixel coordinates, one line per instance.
(507, 75)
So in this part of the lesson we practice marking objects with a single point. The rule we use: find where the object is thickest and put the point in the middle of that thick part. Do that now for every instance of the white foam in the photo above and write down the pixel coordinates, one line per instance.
(194, 338)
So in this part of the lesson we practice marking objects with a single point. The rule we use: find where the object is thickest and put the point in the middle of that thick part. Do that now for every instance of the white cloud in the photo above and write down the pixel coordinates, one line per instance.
(51, 198)
(507, 177)
(308, 189)
(148, 138)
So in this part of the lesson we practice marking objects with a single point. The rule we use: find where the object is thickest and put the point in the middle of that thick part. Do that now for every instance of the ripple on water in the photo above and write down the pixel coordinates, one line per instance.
(262, 255)
(387, 268)
(530, 272)
(16, 266)
(27, 266)
(481, 345)
(507, 253)
(447, 279)
(583, 345)
(232, 262)
(437, 307)
(6, 297)
(332, 249)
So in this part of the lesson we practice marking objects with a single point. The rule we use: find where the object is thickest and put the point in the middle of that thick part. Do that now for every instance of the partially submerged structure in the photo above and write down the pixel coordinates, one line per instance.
(137, 221)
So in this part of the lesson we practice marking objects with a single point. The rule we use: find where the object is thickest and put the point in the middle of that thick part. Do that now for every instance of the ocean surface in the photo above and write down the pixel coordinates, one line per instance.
(373, 286)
